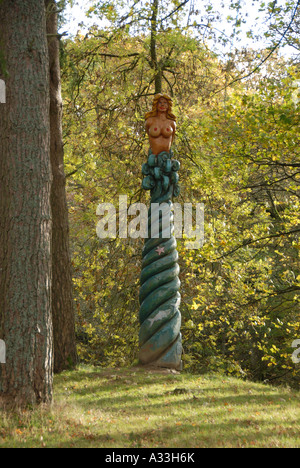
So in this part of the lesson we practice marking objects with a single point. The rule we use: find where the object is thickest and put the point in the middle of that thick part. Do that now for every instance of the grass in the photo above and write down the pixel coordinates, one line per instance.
(137, 408)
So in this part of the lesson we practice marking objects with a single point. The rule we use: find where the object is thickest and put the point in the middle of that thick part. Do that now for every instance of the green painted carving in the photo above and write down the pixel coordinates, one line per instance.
(160, 318)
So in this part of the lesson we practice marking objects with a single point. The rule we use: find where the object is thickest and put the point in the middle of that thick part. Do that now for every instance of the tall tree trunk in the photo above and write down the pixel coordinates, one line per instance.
(25, 212)
(62, 296)
(153, 48)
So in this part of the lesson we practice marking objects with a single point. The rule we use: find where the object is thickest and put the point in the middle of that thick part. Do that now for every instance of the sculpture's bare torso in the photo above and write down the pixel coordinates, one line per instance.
(160, 129)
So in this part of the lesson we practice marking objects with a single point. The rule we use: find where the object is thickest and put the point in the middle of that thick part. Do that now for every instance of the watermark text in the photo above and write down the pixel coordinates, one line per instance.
(162, 220)
(2, 352)
(296, 353)
(2, 92)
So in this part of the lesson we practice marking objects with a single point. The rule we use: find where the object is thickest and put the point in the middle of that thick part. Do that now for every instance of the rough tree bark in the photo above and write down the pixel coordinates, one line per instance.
(62, 295)
(25, 214)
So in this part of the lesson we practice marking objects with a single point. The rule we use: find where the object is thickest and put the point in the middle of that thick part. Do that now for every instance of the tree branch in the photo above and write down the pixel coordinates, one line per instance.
(267, 57)
(174, 11)
(250, 241)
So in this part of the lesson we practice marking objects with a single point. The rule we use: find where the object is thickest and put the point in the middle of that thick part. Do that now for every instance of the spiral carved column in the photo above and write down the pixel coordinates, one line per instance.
(160, 318)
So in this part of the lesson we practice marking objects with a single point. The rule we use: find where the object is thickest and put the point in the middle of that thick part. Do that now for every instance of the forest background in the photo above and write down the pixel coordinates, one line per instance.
(237, 109)
(72, 137)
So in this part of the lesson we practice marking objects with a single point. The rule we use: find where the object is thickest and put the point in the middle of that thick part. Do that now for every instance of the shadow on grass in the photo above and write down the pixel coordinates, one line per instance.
(118, 385)
(244, 433)
(136, 408)
(213, 412)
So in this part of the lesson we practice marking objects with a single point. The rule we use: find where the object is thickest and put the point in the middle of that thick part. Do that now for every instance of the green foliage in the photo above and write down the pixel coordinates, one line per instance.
(239, 153)
(243, 295)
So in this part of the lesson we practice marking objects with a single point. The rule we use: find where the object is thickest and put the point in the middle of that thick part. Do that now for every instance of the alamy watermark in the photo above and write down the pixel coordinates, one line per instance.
(296, 353)
(2, 352)
(2, 92)
(296, 92)
(185, 221)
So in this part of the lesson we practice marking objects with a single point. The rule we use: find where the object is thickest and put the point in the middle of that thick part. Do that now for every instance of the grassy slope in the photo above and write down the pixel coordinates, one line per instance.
(135, 408)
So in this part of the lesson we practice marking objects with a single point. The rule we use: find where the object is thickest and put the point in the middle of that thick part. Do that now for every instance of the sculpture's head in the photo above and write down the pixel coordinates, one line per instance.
(155, 104)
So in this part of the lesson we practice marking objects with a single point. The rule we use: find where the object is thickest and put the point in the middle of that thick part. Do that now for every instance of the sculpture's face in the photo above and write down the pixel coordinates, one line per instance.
(163, 105)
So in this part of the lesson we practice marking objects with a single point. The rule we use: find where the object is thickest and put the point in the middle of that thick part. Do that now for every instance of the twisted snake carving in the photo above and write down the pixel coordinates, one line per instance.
(160, 318)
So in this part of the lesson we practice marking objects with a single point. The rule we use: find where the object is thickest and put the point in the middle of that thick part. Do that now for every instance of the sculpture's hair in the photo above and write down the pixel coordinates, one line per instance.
(153, 113)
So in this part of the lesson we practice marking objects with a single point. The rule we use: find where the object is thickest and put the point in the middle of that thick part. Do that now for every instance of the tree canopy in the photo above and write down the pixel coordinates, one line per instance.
(238, 143)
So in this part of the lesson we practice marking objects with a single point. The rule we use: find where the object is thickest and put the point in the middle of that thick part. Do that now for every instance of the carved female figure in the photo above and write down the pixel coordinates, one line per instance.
(159, 314)
(161, 124)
